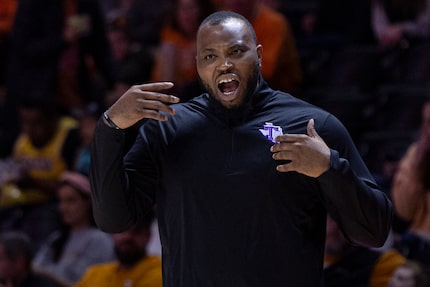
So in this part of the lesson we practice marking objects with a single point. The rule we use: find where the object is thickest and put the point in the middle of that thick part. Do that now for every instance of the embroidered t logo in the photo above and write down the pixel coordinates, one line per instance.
(271, 131)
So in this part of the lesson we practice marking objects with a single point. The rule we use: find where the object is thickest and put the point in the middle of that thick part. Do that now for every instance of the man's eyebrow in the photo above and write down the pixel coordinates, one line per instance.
(233, 46)
(238, 45)
(208, 50)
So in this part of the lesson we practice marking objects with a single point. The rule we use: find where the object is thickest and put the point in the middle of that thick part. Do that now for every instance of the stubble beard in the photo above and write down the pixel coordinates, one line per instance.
(251, 81)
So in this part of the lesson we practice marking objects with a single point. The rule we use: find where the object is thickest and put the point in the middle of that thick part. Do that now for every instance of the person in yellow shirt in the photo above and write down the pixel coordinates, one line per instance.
(353, 266)
(133, 266)
(45, 147)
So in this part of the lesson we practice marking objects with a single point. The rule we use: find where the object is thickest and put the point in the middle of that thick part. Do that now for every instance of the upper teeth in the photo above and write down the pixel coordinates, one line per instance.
(226, 81)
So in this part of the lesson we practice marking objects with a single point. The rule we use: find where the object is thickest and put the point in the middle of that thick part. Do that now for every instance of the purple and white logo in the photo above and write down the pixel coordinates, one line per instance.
(271, 131)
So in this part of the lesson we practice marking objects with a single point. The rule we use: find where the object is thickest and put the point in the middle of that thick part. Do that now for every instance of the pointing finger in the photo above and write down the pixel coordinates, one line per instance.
(158, 86)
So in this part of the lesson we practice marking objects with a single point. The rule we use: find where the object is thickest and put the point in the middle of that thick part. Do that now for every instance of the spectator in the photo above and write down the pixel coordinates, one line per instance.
(353, 266)
(78, 244)
(389, 165)
(141, 20)
(134, 29)
(336, 45)
(44, 149)
(59, 51)
(402, 29)
(16, 254)
(397, 21)
(7, 127)
(87, 119)
(281, 63)
(411, 194)
(132, 63)
(410, 274)
(133, 266)
(336, 23)
(7, 16)
(176, 55)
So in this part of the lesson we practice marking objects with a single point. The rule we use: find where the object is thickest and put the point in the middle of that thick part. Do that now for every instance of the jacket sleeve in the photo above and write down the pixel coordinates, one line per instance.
(360, 208)
(116, 206)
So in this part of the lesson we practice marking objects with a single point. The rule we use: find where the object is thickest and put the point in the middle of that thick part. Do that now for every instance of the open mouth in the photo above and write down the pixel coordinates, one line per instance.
(228, 86)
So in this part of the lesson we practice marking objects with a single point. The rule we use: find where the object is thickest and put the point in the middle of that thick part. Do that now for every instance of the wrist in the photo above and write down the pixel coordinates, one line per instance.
(108, 121)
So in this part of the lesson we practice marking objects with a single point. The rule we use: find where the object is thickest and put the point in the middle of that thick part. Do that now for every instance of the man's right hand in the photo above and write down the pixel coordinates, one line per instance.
(144, 101)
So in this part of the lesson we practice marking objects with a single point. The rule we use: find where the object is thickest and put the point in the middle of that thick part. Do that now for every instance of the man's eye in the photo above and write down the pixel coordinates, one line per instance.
(209, 57)
(237, 52)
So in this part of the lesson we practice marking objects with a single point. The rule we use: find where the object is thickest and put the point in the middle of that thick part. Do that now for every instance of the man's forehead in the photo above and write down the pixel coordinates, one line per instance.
(232, 28)
(227, 24)
(233, 23)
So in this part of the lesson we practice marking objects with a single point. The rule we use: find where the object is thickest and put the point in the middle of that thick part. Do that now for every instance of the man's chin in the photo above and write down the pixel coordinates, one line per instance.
(226, 100)
(231, 100)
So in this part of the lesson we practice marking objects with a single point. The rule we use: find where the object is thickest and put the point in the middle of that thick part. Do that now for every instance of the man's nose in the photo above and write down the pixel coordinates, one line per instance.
(225, 65)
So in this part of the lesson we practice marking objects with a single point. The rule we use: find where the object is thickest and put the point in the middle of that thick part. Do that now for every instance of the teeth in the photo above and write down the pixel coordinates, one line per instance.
(226, 81)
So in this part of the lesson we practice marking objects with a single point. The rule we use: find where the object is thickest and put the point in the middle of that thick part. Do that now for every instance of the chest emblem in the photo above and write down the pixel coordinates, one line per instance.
(271, 131)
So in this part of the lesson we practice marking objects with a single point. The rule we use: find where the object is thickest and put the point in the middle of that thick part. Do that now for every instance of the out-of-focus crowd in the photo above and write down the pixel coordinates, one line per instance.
(63, 62)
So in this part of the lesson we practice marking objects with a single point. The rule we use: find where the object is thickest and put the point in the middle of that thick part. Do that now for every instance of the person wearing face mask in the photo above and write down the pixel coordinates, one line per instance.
(242, 176)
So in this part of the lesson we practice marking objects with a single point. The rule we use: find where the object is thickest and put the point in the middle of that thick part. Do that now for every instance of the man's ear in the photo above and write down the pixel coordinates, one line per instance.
(259, 54)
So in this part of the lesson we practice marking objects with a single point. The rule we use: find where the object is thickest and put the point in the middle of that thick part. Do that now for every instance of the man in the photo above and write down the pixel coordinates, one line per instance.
(16, 254)
(411, 194)
(133, 268)
(45, 147)
(234, 208)
(354, 266)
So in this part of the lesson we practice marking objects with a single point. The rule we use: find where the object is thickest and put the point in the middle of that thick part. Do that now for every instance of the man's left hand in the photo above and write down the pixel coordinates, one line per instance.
(306, 154)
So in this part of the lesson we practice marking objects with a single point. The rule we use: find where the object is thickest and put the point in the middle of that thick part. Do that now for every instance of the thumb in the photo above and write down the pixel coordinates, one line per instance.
(311, 129)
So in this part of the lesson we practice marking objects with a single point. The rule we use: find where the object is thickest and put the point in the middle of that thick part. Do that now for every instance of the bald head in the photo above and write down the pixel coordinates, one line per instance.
(222, 17)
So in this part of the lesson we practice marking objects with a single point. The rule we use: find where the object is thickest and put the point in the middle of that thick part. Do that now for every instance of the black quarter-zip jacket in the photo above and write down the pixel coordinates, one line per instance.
(226, 217)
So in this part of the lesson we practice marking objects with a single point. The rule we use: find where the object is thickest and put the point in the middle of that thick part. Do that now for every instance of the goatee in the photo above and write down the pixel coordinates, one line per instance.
(235, 115)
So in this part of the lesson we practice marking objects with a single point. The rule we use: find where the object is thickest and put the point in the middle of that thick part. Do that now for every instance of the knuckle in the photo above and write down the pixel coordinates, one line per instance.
(158, 105)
